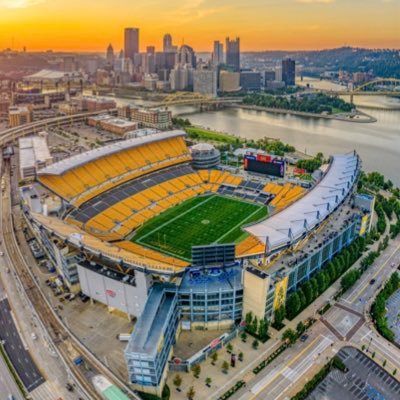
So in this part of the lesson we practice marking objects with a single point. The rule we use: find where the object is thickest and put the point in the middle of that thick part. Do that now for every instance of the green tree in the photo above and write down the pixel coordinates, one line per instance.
(196, 369)
(289, 335)
(177, 382)
(249, 319)
(308, 292)
(191, 393)
(279, 315)
(255, 344)
(300, 328)
(229, 348)
(243, 336)
(240, 356)
(254, 326)
(293, 305)
(263, 329)
(225, 367)
(208, 381)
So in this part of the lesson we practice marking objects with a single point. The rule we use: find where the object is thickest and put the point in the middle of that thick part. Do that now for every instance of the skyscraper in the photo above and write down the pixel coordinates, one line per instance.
(185, 56)
(167, 42)
(131, 42)
(218, 53)
(110, 55)
(288, 71)
(168, 47)
(232, 49)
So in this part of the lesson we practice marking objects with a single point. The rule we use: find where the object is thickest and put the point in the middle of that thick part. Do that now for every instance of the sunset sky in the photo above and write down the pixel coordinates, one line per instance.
(89, 25)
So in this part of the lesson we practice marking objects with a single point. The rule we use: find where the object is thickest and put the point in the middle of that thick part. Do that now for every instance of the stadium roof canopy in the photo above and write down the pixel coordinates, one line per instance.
(78, 160)
(294, 222)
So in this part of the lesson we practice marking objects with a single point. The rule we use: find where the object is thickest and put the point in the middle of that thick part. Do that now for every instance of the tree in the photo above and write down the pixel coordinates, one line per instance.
(240, 356)
(255, 344)
(229, 348)
(249, 319)
(243, 336)
(225, 367)
(308, 292)
(300, 328)
(263, 330)
(302, 297)
(279, 316)
(177, 382)
(208, 381)
(290, 336)
(214, 358)
(293, 305)
(196, 369)
(191, 393)
(254, 326)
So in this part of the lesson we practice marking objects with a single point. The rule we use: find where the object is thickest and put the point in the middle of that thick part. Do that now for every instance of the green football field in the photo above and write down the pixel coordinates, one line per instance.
(201, 220)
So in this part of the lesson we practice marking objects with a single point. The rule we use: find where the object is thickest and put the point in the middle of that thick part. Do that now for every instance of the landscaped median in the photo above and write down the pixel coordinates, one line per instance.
(238, 385)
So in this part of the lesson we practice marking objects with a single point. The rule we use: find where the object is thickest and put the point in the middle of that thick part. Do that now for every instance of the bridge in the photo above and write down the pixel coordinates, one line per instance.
(363, 90)
(192, 98)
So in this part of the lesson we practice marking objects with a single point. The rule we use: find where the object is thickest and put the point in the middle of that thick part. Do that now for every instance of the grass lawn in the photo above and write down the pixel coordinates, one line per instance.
(201, 220)
(200, 133)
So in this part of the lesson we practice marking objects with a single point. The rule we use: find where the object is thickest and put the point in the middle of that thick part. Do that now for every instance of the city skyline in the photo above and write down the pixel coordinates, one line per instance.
(263, 25)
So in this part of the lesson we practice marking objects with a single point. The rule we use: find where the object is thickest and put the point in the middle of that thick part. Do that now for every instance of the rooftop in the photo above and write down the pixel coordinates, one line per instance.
(150, 326)
(78, 160)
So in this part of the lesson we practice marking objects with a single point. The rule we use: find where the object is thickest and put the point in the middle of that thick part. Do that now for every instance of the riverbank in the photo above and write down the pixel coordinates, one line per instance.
(359, 117)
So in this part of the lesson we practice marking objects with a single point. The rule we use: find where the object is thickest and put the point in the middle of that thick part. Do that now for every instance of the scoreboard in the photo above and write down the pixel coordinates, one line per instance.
(264, 164)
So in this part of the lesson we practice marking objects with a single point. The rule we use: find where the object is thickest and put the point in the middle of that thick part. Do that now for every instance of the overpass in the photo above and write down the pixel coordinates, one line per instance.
(12, 134)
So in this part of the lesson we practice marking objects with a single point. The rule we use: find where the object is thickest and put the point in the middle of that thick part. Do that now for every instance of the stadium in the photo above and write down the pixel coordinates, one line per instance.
(177, 246)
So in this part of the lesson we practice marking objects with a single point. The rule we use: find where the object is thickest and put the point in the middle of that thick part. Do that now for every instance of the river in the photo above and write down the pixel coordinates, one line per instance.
(377, 143)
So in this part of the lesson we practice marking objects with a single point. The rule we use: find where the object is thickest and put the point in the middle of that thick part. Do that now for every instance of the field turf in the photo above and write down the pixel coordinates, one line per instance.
(201, 220)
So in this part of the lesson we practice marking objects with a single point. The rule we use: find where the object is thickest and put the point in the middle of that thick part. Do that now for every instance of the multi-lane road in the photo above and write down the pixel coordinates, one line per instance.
(346, 323)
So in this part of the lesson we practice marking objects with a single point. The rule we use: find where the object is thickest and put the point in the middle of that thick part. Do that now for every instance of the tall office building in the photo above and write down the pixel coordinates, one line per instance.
(131, 42)
(232, 53)
(185, 56)
(167, 42)
(110, 55)
(288, 71)
(218, 53)
(205, 82)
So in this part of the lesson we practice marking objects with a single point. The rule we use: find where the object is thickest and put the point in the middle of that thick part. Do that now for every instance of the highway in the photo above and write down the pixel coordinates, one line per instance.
(7, 383)
(16, 349)
(346, 323)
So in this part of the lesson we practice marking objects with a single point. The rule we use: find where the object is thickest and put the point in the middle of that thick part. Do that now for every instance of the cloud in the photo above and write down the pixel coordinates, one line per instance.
(315, 1)
(20, 3)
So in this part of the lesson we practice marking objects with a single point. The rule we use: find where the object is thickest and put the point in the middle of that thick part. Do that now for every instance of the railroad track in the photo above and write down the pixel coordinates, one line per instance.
(55, 329)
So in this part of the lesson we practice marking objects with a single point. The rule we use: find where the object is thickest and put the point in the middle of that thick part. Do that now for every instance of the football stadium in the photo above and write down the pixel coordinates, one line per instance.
(143, 230)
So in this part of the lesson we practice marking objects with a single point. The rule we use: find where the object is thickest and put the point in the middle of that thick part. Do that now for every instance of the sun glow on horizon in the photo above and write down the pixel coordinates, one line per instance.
(261, 24)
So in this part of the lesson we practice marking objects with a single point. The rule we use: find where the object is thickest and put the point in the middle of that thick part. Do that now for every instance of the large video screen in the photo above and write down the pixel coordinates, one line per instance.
(265, 165)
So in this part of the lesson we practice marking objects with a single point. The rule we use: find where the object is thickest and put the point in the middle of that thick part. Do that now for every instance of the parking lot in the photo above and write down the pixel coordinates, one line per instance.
(364, 380)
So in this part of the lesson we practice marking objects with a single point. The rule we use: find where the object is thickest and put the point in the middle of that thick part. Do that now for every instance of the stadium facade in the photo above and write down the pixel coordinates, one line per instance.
(110, 193)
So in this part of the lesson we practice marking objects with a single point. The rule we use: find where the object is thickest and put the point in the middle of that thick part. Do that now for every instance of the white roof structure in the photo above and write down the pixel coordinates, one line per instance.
(33, 152)
(47, 74)
(295, 221)
(78, 160)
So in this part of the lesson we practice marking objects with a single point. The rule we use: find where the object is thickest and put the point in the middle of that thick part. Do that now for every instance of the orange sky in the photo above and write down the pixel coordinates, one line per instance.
(89, 25)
